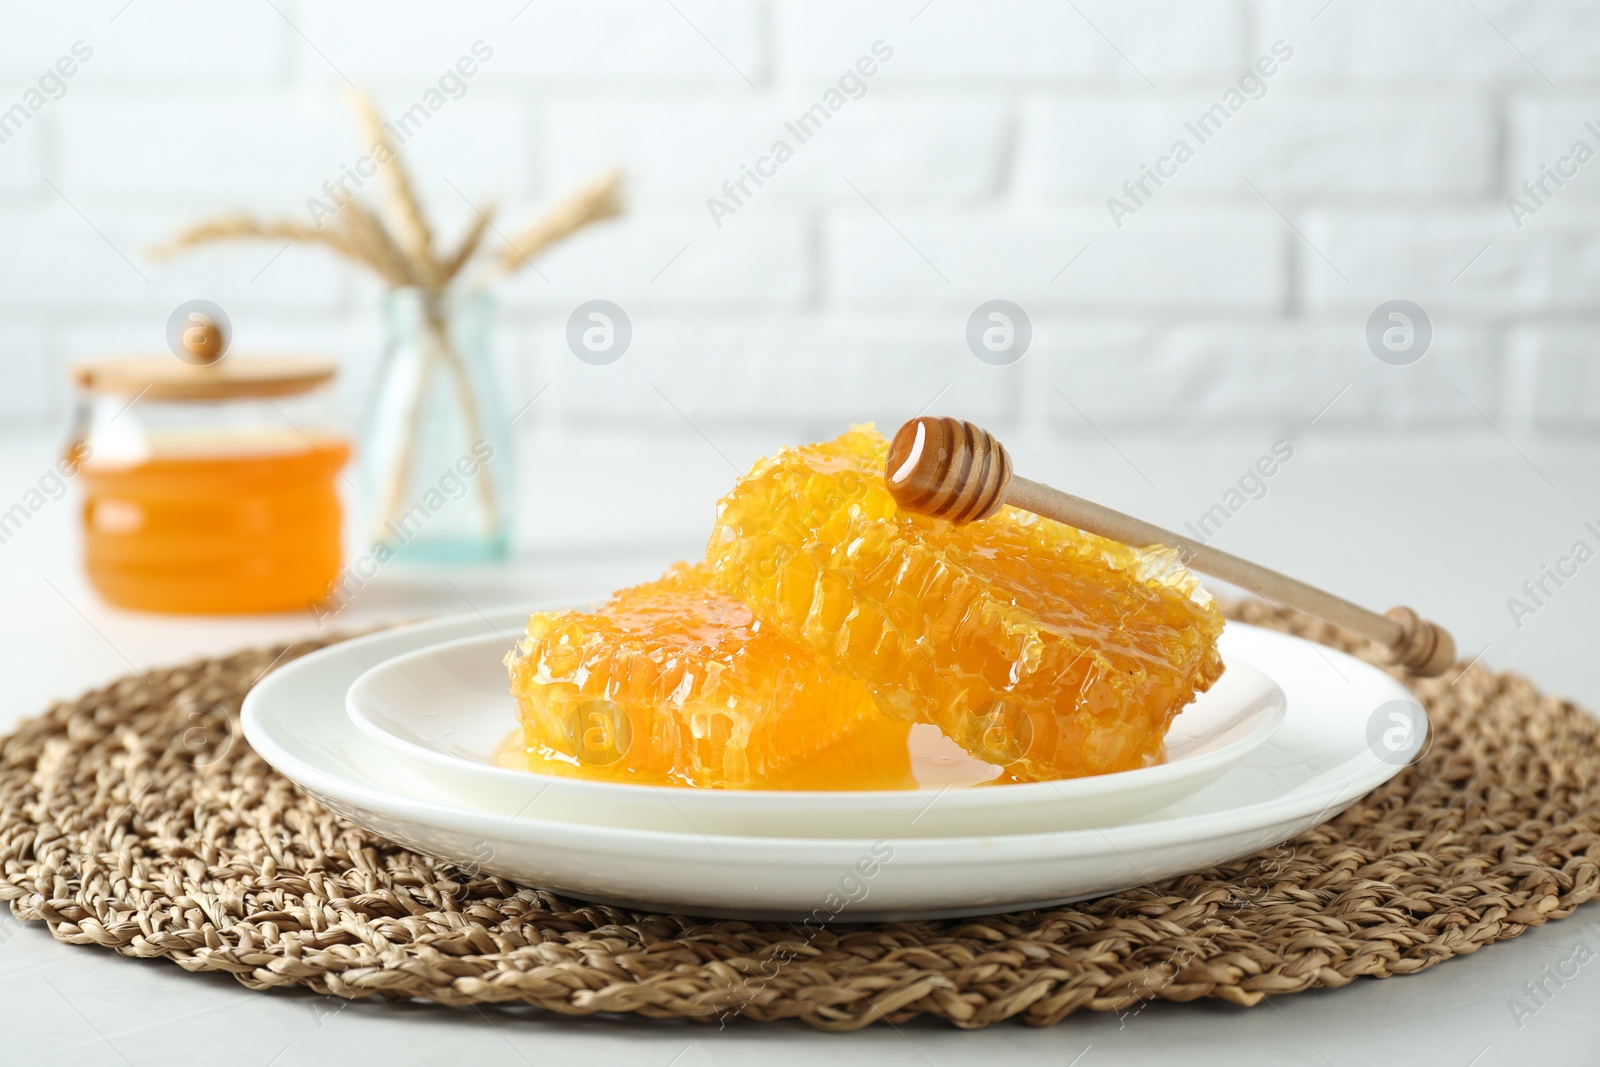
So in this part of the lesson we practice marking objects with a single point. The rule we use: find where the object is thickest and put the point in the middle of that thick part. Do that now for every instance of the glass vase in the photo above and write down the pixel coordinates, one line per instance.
(436, 452)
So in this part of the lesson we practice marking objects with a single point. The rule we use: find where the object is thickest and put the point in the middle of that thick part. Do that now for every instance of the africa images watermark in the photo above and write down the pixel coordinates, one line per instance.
(1252, 486)
(450, 486)
(451, 85)
(51, 85)
(852, 887)
(1252, 86)
(1537, 994)
(50, 486)
(1551, 579)
(852, 85)
(1536, 192)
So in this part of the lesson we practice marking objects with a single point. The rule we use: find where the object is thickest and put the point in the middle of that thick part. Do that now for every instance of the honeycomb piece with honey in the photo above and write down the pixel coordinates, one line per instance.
(1049, 651)
(674, 683)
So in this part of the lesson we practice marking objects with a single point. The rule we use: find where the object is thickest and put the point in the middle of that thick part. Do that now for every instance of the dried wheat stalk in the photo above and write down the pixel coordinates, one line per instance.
(599, 200)
(399, 247)
(405, 210)
(367, 232)
(400, 250)
(451, 265)
(239, 226)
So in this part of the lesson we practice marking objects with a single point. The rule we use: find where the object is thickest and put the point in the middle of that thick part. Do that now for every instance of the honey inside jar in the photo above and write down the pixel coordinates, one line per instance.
(209, 489)
(215, 522)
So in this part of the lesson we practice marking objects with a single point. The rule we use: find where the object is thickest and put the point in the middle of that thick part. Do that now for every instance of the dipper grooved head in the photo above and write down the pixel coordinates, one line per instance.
(947, 469)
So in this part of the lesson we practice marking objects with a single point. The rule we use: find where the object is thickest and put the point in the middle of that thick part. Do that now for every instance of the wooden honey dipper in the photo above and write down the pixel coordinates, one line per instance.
(950, 469)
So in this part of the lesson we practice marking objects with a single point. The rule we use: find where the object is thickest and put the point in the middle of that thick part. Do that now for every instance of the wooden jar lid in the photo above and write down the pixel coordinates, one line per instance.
(166, 377)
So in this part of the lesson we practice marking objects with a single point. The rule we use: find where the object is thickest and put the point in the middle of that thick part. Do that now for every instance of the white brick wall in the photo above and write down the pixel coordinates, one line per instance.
(1374, 163)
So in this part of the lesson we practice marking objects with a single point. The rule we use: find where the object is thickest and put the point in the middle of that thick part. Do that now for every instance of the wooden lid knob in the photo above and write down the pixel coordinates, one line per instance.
(202, 340)
(948, 469)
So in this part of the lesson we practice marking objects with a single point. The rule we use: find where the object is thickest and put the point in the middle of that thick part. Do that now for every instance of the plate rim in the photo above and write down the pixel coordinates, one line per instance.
(933, 851)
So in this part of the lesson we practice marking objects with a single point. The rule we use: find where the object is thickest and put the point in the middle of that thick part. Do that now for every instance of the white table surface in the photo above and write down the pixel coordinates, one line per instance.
(1451, 531)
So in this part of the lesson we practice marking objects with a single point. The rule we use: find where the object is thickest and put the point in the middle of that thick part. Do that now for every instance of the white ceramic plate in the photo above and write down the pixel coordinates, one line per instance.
(1318, 763)
(446, 707)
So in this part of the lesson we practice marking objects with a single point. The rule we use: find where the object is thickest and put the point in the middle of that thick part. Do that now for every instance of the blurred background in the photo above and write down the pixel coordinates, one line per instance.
(1341, 155)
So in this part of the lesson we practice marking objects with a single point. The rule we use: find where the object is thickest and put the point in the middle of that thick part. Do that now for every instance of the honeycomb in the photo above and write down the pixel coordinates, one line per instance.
(1049, 651)
(674, 683)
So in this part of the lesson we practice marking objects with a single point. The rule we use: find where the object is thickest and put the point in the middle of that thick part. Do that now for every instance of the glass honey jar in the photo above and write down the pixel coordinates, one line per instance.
(209, 487)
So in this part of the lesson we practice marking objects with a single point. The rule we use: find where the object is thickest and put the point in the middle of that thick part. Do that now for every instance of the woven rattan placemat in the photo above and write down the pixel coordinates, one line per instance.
(137, 818)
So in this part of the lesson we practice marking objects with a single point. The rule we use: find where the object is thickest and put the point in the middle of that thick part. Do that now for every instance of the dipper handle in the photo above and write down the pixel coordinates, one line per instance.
(953, 470)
